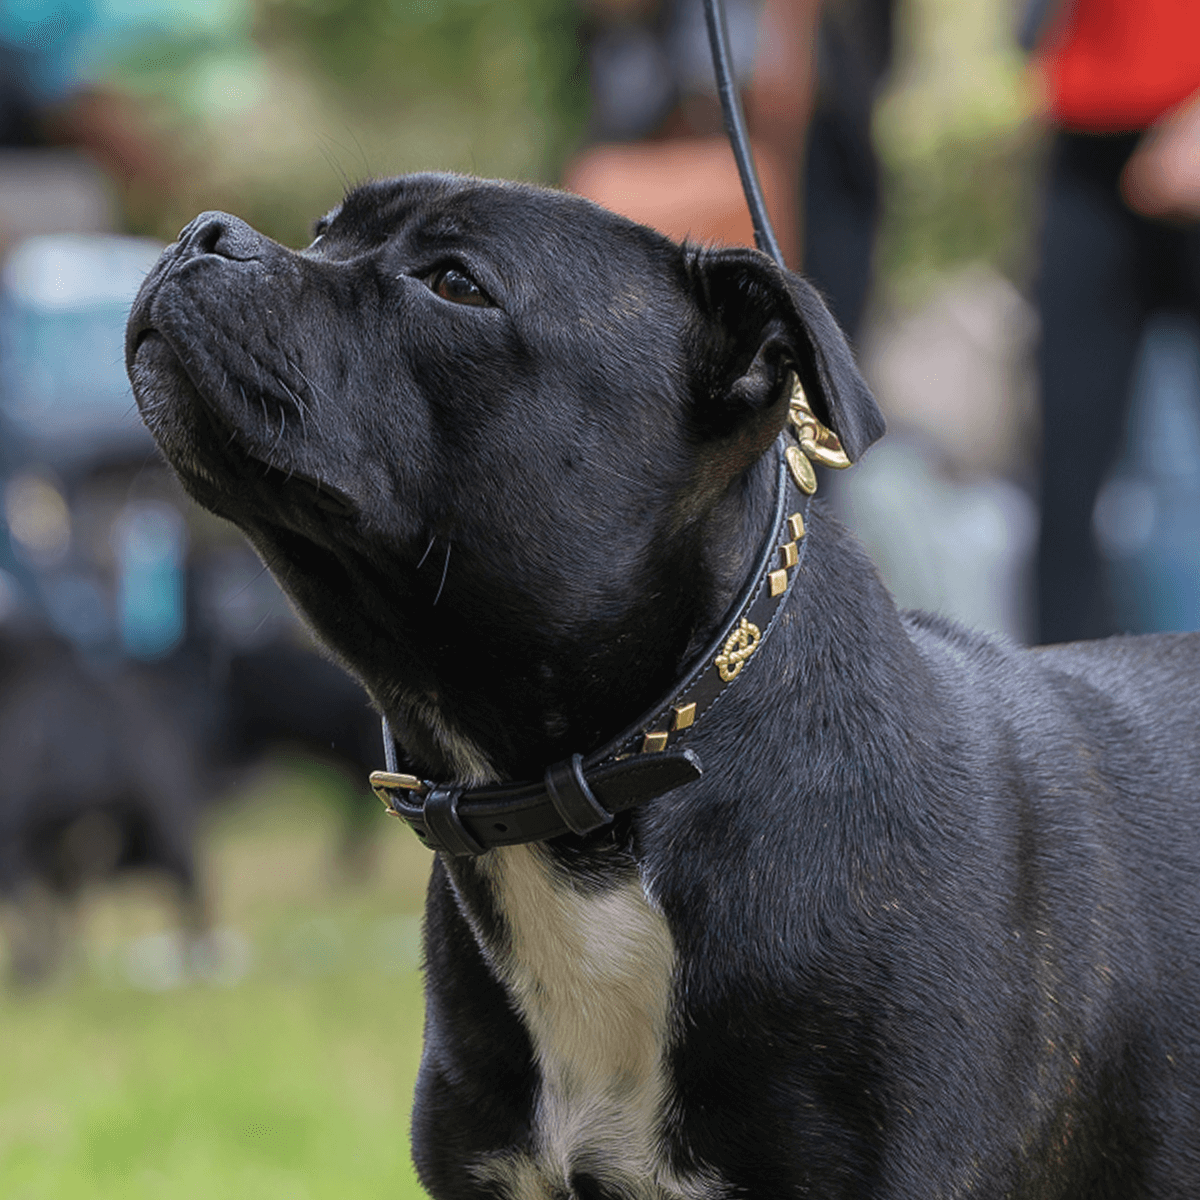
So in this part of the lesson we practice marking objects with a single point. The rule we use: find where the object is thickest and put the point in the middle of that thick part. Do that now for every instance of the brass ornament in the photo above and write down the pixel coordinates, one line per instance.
(777, 581)
(801, 469)
(818, 442)
(737, 650)
(789, 554)
(654, 742)
(795, 525)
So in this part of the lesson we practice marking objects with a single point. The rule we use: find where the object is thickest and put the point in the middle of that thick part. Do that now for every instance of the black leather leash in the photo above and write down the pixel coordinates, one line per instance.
(580, 795)
(735, 128)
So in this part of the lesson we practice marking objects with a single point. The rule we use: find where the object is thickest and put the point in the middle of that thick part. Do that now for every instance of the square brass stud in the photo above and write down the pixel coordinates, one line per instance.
(685, 716)
(788, 554)
(796, 526)
(654, 742)
(778, 582)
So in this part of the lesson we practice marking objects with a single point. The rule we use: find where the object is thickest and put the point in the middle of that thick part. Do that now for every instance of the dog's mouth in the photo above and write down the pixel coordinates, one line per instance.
(221, 464)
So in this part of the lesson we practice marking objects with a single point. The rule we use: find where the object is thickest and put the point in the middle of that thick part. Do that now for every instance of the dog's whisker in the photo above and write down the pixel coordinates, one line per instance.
(292, 394)
(230, 599)
(445, 569)
(315, 388)
(427, 550)
(301, 407)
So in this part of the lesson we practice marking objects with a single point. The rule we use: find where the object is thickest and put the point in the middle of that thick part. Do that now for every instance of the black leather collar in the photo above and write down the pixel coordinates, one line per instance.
(580, 795)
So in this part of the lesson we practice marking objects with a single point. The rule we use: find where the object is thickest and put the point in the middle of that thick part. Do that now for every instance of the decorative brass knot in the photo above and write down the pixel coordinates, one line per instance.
(737, 650)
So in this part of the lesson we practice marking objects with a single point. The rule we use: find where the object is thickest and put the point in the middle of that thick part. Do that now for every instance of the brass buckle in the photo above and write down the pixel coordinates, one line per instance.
(384, 783)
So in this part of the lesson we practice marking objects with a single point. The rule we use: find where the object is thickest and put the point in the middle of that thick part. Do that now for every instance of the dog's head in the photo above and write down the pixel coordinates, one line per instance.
(498, 444)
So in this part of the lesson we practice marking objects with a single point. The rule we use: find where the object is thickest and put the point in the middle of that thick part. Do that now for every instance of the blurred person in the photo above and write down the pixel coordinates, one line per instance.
(1120, 241)
(810, 73)
(659, 153)
(842, 187)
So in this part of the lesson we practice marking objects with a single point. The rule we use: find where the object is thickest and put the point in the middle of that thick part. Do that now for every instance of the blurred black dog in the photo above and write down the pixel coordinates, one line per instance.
(928, 923)
(107, 768)
(100, 775)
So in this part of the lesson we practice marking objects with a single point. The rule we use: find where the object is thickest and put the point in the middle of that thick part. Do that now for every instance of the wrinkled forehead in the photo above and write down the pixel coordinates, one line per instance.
(527, 235)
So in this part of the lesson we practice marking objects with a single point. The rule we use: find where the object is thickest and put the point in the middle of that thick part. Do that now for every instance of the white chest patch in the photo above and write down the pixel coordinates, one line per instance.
(591, 974)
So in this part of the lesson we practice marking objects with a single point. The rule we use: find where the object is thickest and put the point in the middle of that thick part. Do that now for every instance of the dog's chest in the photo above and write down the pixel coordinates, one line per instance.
(591, 973)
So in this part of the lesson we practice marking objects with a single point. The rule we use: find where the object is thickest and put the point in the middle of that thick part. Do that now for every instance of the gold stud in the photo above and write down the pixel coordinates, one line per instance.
(778, 581)
(654, 742)
(685, 716)
(788, 554)
(802, 470)
(796, 526)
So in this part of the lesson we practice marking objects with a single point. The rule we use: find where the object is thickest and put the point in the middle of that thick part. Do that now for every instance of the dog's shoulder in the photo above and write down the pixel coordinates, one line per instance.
(1146, 682)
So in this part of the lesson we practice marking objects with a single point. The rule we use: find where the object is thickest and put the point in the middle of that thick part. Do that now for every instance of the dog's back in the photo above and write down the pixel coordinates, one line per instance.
(1086, 763)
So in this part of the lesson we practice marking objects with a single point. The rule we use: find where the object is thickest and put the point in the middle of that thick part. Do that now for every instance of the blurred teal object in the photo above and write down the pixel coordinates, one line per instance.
(68, 44)
(1147, 516)
(78, 610)
(64, 300)
(150, 542)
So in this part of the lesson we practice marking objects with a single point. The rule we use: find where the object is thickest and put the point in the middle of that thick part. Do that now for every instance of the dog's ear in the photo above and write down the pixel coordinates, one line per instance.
(762, 322)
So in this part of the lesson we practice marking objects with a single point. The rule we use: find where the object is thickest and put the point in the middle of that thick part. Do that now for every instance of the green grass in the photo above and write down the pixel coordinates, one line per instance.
(294, 1081)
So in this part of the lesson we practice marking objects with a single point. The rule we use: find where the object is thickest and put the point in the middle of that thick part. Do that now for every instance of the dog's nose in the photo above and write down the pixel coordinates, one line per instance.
(224, 235)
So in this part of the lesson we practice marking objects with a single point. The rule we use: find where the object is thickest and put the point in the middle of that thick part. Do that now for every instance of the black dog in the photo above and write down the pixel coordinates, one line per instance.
(928, 922)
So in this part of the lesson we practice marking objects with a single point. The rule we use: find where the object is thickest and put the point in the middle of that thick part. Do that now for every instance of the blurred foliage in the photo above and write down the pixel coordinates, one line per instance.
(384, 51)
(965, 200)
(468, 54)
(960, 146)
(275, 111)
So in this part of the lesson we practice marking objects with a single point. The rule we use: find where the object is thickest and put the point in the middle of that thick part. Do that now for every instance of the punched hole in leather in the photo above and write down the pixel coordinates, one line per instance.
(572, 798)
(445, 826)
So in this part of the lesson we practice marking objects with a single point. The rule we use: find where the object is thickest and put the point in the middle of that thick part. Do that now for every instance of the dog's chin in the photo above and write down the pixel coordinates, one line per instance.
(212, 456)
(170, 406)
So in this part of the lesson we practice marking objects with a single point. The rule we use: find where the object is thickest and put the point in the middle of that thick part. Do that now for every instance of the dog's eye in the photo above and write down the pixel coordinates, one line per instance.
(457, 287)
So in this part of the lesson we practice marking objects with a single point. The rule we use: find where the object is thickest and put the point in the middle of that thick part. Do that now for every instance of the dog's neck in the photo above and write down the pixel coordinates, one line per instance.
(505, 732)
(658, 753)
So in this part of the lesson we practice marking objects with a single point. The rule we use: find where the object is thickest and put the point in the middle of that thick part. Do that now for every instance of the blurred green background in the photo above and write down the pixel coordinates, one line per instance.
(282, 1069)
(277, 109)
(285, 1069)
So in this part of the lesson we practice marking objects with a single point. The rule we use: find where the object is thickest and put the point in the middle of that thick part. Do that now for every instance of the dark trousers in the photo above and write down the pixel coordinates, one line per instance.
(1104, 271)
(841, 212)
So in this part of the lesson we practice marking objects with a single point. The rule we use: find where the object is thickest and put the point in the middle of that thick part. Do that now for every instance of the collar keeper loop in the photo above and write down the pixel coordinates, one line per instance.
(446, 830)
(572, 798)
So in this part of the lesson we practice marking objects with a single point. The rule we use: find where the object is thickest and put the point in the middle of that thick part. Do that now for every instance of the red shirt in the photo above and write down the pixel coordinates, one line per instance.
(1115, 65)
